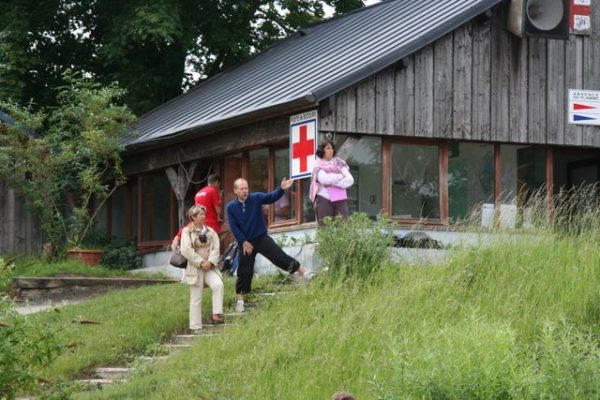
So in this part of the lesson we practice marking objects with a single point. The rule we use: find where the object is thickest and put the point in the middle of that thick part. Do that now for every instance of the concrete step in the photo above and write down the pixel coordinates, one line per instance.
(151, 359)
(95, 383)
(184, 339)
(176, 346)
(233, 315)
(113, 373)
(271, 294)
(37, 289)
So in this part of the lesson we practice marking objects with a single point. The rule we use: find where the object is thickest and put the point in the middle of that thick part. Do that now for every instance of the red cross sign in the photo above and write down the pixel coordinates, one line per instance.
(303, 144)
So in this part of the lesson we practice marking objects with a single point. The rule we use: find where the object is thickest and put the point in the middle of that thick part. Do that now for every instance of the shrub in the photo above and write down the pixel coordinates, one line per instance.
(24, 348)
(121, 255)
(355, 246)
(67, 173)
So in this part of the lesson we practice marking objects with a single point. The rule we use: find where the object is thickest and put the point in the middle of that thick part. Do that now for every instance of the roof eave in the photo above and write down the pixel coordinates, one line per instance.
(238, 120)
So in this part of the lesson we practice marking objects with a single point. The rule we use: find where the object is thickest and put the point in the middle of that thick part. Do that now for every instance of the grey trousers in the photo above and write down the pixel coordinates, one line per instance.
(325, 208)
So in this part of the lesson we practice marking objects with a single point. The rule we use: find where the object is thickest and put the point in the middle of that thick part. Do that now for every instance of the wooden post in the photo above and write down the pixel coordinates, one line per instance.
(180, 184)
(550, 181)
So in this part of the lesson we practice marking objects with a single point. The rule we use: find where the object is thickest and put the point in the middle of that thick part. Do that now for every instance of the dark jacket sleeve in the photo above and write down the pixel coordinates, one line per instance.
(234, 224)
(270, 198)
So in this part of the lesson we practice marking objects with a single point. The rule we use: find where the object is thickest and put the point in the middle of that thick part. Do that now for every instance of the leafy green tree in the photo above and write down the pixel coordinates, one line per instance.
(153, 48)
(67, 173)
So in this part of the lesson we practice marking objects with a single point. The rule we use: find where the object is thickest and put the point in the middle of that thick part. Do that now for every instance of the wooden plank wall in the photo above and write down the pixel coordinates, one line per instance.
(477, 83)
(19, 231)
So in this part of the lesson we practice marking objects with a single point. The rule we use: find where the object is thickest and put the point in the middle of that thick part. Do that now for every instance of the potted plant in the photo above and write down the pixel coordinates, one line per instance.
(67, 173)
(91, 250)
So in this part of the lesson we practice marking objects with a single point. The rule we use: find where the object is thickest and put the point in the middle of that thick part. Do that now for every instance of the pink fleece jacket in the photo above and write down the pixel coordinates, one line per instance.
(337, 167)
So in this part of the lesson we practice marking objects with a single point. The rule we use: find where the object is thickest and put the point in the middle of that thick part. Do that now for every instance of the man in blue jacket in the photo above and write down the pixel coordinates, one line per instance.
(247, 224)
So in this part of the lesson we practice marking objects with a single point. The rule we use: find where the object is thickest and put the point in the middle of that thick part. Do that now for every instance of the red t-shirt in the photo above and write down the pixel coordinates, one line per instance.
(209, 197)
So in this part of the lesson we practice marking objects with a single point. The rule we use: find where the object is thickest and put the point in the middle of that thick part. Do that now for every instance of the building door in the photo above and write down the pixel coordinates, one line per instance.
(584, 172)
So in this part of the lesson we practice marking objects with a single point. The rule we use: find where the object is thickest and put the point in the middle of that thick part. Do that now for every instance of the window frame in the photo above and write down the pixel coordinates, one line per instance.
(172, 214)
(387, 163)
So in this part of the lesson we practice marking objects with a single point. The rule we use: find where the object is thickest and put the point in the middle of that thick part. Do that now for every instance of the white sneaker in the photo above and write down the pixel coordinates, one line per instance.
(308, 276)
(239, 306)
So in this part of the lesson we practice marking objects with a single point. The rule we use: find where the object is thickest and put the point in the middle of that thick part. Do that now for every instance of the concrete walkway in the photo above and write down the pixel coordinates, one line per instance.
(35, 308)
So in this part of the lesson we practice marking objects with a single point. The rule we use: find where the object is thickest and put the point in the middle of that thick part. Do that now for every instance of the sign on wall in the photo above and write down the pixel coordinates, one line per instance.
(581, 17)
(303, 144)
(584, 107)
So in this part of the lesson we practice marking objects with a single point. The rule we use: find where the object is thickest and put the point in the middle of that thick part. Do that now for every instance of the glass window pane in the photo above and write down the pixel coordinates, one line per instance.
(258, 174)
(363, 156)
(308, 211)
(134, 207)
(232, 170)
(156, 207)
(101, 219)
(119, 212)
(523, 172)
(283, 209)
(470, 177)
(575, 167)
(415, 181)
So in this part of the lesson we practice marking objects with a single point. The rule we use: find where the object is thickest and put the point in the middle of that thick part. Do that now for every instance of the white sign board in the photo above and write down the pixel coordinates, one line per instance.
(584, 107)
(303, 144)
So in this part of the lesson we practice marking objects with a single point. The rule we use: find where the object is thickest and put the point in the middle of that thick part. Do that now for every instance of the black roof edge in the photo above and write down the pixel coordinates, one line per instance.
(372, 68)
(263, 113)
(4, 117)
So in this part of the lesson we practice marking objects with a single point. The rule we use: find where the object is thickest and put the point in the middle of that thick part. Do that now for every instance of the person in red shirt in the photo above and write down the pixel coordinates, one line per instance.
(210, 198)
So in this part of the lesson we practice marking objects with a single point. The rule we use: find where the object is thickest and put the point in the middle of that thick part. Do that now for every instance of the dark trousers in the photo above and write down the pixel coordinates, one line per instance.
(266, 246)
(325, 208)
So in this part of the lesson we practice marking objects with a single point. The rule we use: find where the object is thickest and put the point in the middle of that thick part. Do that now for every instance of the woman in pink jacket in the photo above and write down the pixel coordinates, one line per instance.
(330, 179)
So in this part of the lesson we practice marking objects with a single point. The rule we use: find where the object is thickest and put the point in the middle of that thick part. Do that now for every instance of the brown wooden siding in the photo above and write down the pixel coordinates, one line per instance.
(479, 82)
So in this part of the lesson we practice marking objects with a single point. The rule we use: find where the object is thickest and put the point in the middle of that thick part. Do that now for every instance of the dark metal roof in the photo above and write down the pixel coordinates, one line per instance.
(310, 65)
(6, 119)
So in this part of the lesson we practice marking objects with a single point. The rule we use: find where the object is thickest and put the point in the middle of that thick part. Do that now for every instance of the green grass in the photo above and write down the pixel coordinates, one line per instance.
(32, 267)
(127, 324)
(517, 320)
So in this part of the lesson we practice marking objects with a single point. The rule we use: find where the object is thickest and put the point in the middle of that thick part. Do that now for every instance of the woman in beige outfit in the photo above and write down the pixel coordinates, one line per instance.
(200, 246)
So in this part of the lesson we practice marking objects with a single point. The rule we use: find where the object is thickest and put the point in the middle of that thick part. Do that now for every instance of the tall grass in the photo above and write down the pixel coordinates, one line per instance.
(519, 319)
(354, 247)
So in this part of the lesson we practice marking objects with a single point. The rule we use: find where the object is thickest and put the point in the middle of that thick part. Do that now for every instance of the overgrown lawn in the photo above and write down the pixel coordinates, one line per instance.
(517, 320)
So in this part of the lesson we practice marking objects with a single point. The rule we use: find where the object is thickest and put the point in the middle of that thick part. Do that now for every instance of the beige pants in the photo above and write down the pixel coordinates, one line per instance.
(213, 280)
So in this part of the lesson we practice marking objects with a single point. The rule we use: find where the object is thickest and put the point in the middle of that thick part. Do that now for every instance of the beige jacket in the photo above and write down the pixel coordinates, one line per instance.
(196, 252)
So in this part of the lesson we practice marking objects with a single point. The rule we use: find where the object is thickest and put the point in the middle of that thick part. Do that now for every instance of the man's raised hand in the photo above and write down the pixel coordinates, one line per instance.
(286, 183)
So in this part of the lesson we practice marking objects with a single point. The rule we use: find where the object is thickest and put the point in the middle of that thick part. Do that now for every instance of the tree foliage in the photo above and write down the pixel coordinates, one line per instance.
(153, 48)
(67, 173)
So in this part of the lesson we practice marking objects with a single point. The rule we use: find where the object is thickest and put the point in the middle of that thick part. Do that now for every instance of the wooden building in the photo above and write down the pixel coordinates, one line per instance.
(20, 232)
(437, 108)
